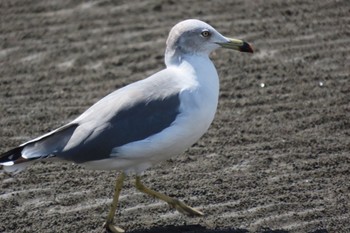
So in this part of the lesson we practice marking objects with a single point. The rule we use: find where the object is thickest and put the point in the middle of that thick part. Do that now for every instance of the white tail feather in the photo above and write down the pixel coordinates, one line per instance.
(16, 168)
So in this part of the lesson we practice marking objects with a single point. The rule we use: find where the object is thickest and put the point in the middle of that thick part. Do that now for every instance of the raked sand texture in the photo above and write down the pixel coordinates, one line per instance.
(276, 157)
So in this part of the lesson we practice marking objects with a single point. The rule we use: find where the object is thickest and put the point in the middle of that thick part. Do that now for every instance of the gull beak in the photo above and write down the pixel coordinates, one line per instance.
(236, 44)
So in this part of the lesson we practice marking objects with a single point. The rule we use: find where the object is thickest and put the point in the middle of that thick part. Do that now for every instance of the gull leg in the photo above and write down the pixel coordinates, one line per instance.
(174, 203)
(108, 225)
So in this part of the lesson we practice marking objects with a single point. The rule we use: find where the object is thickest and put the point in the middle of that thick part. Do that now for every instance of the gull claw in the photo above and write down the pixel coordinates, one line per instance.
(185, 209)
(111, 228)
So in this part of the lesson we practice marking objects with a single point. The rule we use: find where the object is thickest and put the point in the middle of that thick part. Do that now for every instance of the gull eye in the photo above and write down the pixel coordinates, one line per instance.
(205, 33)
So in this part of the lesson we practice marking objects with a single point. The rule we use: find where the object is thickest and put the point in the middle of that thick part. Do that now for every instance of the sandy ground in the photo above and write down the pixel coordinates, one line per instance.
(276, 158)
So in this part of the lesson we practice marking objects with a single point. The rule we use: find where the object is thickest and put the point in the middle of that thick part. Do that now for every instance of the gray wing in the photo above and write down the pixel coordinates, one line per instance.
(131, 123)
(94, 137)
(129, 114)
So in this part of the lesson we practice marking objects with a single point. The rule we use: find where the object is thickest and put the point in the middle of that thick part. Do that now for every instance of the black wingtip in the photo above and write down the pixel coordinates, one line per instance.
(11, 155)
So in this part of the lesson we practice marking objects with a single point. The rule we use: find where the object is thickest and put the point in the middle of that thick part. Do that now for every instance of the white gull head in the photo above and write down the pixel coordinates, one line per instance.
(195, 37)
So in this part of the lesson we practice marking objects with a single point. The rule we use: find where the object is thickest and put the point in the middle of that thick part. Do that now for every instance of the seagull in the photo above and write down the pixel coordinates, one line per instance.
(145, 122)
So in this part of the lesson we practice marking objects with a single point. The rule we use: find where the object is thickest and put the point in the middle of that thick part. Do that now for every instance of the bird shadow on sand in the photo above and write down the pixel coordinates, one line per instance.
(200, 229)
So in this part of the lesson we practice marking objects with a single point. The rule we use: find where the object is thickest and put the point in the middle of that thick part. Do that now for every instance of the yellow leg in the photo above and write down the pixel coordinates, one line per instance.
(108, 225)
(174, 203)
